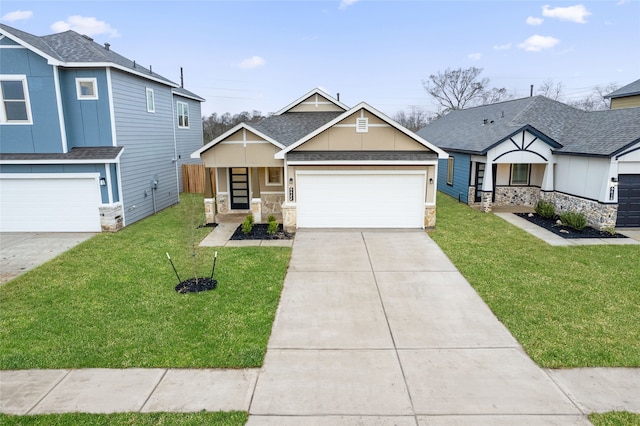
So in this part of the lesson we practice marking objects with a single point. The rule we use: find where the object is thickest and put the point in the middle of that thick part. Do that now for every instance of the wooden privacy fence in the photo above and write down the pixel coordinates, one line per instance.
(193, 178)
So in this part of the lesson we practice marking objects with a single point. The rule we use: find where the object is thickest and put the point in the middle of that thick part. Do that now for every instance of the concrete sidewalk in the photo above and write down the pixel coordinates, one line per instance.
(373, 327)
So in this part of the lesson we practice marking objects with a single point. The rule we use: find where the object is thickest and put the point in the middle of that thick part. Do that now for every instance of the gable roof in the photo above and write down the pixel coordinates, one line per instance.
(630, 89)
(74, 50)
(373, 111)
(306, 96)
(568, 130)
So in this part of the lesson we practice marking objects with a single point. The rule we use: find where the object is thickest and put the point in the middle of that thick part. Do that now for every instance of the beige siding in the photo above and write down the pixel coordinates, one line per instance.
(242, 149)
(262, 173)
(315, 103)
(626, 102)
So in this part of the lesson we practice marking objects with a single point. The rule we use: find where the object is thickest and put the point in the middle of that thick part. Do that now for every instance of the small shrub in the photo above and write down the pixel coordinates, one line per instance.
(575, 220)
(609, 230)
(271, 218)
(545, 209)
(272, 228)
(247, 225)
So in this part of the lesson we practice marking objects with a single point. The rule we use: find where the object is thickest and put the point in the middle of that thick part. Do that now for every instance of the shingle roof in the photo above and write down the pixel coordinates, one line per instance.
(292, 126)
(630, 89)
(71, 47)
(80, 154)
(568, 129)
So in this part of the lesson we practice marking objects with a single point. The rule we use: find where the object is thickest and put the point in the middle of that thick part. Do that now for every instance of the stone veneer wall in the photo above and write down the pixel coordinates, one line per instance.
(272, 203)
(210, 210)
(223, 203)
(429, 216)
(517, 196)
(111, 218)
(599, 216)
(289, 218)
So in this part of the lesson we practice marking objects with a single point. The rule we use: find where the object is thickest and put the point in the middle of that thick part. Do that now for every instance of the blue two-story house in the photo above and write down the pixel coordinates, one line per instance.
(89, 140)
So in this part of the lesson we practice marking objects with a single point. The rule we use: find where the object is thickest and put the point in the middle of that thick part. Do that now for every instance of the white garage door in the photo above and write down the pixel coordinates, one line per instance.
(360, 199)
(49, 203)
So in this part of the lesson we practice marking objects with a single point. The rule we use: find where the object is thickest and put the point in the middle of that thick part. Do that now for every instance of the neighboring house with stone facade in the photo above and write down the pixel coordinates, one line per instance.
(318, 163)
(517, 152)
(90, 140)
(625, 97)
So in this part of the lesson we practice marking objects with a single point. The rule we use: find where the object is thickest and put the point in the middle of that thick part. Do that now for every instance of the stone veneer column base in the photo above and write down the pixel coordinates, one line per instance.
(111, 218)
(289, 218)
(256, 210)
(429, 216)
(486, 203)
(210, 210)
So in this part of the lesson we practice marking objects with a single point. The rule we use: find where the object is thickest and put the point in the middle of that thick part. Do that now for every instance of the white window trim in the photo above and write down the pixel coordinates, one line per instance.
(266, 176)
(178, 103)
(450, 169)
(91, 80)
(153, 100)
(25, 88)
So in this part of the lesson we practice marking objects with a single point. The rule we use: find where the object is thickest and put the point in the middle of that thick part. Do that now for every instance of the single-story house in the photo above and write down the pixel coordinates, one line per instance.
(517, 152)
(321, 164)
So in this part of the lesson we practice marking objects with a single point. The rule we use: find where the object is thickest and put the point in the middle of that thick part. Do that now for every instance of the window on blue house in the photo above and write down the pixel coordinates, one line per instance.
(450, 170)
(151, 102)
(15, 100)
(87, 88)
(183, 115)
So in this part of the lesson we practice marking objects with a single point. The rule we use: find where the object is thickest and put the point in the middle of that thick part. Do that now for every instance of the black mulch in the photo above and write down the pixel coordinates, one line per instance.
(566, 231)
(193, 286)
(259, 232)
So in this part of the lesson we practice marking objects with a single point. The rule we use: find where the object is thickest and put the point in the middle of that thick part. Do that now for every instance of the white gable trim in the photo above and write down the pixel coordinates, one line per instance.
(309, 94)
(228, 133)
(364, 106)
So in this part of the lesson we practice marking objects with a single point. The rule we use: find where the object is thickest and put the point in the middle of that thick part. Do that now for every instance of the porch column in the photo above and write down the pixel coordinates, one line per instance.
(487, 187)
(256, 201)
(209, 197)
(547, 181)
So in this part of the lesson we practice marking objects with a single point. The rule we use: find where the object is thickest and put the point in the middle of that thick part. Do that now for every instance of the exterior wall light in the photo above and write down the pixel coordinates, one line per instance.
(103, 181)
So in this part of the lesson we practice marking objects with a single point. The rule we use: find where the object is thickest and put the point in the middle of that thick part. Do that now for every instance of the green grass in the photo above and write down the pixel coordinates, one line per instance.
(110, 301)
(235, 418)
(568, 306)
(619, 418)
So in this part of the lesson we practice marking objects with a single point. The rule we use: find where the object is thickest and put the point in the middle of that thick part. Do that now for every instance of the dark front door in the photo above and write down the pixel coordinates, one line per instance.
(239, 178)
(480, 167)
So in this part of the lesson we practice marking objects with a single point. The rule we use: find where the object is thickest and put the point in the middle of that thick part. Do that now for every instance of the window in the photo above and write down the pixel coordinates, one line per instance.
(450, 171)
(519, 174)
(274, 176)
(15, 100)
(151, 102)
(87, 88)
(183, 115)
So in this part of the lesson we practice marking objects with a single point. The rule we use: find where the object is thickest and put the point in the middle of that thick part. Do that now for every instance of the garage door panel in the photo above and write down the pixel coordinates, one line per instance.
(360, 200)
(49, 204)
(628, 201)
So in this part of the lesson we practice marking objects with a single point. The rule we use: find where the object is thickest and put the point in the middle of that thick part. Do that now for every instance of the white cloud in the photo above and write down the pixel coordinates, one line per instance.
(505, 46)
(18, 15)
(534, 21)
(576, 13)
(536, 43)
(85, 25)
(474, 56)
(621, 2)
(346, 3)
(252, 62)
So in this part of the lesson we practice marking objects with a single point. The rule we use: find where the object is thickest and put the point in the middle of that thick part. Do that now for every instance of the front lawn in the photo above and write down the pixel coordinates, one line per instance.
(235, 418)
(568, 306)
(616, 418)
(110, 302)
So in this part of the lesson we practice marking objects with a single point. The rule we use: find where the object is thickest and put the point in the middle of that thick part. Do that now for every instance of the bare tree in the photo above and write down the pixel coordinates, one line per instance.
(460, 88)
(596, 100)
(551, 90)
(415, 119)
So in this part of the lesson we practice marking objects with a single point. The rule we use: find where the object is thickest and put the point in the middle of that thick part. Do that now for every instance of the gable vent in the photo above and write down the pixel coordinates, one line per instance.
(362, 125)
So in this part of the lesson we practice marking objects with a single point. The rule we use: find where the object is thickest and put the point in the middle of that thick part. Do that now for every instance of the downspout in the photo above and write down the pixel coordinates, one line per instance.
(175, 144)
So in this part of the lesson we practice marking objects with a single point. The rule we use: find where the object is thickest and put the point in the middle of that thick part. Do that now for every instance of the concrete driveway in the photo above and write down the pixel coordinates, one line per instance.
(380, 328)
(22, 251)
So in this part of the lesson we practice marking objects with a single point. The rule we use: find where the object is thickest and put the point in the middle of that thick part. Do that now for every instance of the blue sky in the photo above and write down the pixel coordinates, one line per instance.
(262, 55)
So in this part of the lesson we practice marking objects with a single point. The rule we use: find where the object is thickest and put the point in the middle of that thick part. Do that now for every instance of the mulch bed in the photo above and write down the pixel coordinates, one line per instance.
(193, 286)
(259, 232)
(566, 231)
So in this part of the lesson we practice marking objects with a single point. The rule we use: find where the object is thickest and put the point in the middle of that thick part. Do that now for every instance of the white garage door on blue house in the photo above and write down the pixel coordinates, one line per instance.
(50, 203)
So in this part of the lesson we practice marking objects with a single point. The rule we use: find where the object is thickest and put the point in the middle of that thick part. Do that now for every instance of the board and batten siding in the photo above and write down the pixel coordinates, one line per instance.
(461, 176)
(148, 141)
(188, 140)
(44, 134)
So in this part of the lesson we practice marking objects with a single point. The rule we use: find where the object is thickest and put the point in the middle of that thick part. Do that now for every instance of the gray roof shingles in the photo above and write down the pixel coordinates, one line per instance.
(290, 127)
(630, 89)
(567, 129)
(80, 154)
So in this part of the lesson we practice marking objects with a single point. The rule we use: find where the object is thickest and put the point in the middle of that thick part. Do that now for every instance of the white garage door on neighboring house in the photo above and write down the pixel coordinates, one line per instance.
(360, 199)
(49, 203)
